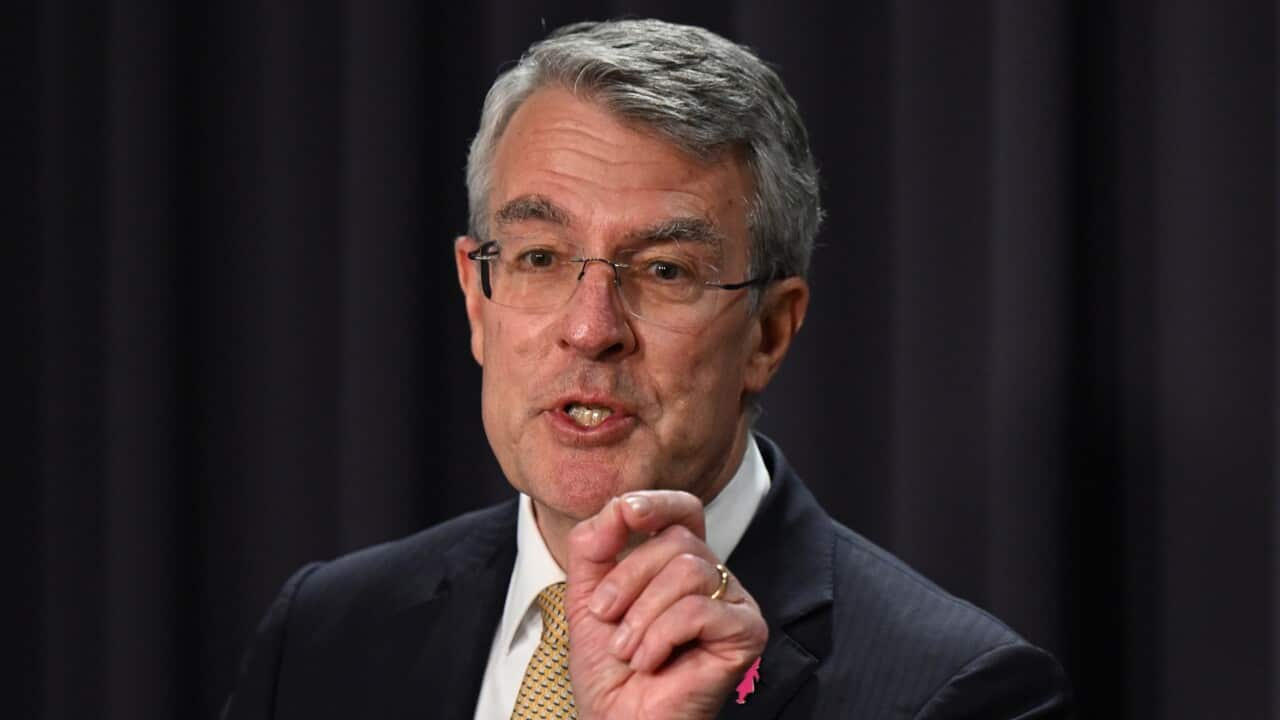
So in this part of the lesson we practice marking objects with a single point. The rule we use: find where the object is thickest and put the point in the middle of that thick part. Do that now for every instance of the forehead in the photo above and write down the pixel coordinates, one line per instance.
(569, 162)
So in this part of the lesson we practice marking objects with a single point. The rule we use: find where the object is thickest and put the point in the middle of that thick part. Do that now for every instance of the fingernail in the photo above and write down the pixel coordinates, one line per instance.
(640, 504)
(619, 640)
(602, 599)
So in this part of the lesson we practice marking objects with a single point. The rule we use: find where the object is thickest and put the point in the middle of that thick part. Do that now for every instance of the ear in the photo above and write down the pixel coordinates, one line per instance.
(781, 313)
(469, 281)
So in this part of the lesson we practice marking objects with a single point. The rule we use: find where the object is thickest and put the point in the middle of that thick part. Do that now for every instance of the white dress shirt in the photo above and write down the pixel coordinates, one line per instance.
(519, 630)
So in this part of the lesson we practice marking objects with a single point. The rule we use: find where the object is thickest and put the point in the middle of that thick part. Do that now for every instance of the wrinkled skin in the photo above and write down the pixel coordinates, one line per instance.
(679, 399)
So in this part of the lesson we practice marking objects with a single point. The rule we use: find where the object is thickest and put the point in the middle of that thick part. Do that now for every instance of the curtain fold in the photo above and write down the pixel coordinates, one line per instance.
(1041, 361)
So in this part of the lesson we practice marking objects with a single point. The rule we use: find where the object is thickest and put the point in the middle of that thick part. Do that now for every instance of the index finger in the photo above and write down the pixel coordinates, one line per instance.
(600, 538)
(594, 544)
(652, 511)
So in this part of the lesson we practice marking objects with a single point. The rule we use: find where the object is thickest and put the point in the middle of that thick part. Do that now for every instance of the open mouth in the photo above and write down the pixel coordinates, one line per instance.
(587, 416)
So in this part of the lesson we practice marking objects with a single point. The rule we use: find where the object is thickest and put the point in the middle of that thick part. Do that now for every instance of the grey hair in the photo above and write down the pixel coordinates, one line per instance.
(690, 86)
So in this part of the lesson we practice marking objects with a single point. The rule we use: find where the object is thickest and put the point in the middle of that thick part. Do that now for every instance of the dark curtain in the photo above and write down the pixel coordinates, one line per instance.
(1041, 361)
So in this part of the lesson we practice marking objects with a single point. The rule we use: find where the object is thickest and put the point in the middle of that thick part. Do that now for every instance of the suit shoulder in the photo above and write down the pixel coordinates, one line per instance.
(955, 649)
(1011, 680)
(880, 584)
(410, 568)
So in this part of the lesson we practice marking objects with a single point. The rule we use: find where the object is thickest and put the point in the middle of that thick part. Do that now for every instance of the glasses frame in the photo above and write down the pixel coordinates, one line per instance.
(489, 251)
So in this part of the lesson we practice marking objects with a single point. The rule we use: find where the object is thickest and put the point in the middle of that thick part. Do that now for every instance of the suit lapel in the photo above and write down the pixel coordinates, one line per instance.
(444, 637)
(785, 562)
(444, 632)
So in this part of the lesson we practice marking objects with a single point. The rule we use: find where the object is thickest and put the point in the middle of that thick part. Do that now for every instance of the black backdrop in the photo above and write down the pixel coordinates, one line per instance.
(1041, 363)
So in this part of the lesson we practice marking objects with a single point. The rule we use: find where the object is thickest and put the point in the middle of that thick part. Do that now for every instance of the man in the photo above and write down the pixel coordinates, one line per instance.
(643, 207)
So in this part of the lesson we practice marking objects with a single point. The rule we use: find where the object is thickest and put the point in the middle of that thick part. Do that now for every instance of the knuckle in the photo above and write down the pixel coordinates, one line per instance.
(754, 628)
(581, 537)
(623, 577)
(697, 608)
(579, 534)
(659, 633)
(690, 565)
(744, 658)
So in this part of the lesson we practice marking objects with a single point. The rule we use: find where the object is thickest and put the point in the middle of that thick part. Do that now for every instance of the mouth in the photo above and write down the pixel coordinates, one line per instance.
(584, 420)
(587, 415)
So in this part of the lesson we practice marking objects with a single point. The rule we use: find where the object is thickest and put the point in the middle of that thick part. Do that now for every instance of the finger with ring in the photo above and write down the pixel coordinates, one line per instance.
(685, 575)
(724, 582)
(622, 586)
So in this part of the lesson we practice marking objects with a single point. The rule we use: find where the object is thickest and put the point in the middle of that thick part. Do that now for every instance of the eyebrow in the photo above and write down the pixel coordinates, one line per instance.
(689, 229)
(531, 207)
(681, 229)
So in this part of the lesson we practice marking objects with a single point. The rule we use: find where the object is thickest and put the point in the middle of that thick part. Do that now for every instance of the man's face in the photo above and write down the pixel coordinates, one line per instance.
(568, 171)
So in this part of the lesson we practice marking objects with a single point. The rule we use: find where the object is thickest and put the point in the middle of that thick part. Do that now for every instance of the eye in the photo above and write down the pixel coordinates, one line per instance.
(669, 271)
(536, 259)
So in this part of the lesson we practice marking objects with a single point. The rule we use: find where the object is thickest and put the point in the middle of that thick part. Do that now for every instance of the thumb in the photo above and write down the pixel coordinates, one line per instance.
(593, 547)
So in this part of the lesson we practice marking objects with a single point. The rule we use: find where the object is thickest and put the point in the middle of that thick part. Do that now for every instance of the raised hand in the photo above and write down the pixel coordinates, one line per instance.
(646, 640)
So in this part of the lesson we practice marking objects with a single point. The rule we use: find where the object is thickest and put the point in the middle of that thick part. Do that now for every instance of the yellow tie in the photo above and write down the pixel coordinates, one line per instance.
(545, 691)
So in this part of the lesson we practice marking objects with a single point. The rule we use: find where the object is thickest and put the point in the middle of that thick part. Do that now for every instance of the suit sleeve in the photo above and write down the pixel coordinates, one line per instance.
(1016, 681)
(255, 692)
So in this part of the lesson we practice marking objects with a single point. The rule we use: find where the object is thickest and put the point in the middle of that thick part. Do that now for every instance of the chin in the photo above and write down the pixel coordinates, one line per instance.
(580, 489)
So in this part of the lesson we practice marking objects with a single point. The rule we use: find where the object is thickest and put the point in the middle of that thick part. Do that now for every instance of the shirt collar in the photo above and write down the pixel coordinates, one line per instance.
(727, 516)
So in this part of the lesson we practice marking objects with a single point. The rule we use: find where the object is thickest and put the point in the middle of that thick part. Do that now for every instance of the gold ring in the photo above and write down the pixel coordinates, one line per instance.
(724, 582)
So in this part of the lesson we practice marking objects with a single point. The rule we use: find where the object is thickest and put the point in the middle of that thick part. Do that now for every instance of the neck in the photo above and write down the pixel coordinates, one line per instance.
(554, 529)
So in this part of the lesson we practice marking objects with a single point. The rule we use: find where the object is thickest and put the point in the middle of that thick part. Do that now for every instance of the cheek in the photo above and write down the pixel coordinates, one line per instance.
(510, 346)
(497, 388)
(513, 351)
(702, 388)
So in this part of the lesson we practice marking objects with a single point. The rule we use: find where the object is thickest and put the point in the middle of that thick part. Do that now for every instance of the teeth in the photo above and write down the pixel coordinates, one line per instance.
(588, 416)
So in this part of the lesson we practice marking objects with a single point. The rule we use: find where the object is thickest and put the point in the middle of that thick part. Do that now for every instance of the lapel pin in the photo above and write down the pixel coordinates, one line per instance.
(748, 684)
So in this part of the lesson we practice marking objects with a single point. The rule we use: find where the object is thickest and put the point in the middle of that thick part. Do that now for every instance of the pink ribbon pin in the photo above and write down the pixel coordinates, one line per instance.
(748, 684)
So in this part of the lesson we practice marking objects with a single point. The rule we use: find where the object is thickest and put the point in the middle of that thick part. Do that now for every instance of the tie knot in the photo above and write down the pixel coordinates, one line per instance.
(551, 603)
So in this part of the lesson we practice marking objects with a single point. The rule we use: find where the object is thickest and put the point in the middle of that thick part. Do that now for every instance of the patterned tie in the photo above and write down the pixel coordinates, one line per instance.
(545, 691)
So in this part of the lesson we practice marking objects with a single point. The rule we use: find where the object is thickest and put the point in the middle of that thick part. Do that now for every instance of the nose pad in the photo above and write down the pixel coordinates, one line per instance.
(596, 321)
(586, 262)
(610, 280)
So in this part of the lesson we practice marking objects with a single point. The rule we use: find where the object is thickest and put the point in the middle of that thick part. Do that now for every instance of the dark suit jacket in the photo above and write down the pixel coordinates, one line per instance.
(404, 629)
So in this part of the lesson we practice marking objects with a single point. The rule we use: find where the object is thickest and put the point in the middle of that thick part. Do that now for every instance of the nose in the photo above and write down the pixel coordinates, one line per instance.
(595, 324)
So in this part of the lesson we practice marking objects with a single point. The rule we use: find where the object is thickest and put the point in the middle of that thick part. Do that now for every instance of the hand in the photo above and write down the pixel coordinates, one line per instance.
(645, 638)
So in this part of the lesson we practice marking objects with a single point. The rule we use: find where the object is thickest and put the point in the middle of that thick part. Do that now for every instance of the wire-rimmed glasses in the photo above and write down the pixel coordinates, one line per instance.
(675, 284)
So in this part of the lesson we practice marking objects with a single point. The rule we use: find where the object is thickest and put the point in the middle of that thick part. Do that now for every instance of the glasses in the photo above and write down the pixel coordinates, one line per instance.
(674, 285)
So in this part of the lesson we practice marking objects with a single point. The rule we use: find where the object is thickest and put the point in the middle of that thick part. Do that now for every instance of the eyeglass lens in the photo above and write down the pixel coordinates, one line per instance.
(666, 284)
